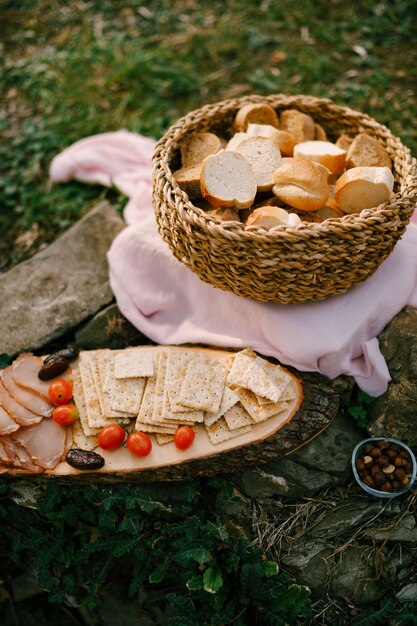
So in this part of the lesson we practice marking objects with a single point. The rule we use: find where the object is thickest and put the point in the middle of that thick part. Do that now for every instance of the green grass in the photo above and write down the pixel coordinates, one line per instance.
(71, 72)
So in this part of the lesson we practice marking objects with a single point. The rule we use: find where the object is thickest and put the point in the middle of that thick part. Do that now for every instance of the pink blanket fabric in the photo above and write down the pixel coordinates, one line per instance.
(171, 305)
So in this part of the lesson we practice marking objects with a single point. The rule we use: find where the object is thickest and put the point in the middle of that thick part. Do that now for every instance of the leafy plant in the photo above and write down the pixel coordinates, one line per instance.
(359, 410)
(79, 538)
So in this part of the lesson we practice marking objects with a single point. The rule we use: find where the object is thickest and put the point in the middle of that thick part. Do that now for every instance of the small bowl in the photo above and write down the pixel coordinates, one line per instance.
(376, 492)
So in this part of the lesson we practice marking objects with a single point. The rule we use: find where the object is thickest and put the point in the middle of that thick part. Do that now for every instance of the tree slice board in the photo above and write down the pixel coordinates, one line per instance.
(307, 415)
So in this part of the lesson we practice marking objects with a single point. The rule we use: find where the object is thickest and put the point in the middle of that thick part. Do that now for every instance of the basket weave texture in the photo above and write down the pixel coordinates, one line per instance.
(287, 265)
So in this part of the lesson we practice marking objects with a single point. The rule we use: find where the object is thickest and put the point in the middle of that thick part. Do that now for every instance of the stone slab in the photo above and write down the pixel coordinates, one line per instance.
(54, 291)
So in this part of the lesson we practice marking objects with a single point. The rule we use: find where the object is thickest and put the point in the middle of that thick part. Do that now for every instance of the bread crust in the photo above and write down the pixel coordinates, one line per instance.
(366, 151)
(256, 114)
(324, 152)
(197, 146)
(300, 125)
(301, 184)
(363, 188)
(228, 180)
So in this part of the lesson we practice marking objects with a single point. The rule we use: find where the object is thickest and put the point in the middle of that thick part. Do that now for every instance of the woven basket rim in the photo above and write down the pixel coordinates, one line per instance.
(237, 230)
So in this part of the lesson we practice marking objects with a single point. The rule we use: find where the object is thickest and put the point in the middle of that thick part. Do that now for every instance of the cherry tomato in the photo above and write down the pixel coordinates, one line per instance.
(111, 437)
(60, 391)
(184, 437)
(139, 443)
(65, 414)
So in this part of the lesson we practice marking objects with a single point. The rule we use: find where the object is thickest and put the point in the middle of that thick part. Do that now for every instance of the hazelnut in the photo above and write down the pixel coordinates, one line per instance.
(396, 485)
(360, 465)
(375, 469)
(368, 480)
(399, 473)
(395, 446)
(383, 460)
(389, 469)
(387, 487)
(375, 453)
(379, 478)
(383, 444)
(368, 460)
(367, 448)
(405, 480)
(391, 454)
(400, 462)
(403, 454)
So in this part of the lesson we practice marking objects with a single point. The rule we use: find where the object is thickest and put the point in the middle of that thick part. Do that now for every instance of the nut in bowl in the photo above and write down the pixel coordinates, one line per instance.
(384, 467)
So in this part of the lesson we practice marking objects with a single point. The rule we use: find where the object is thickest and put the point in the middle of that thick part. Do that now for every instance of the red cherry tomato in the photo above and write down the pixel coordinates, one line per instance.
(139, 443)
(184, 437)
(60, 391)
(111, 437)
(65, 414)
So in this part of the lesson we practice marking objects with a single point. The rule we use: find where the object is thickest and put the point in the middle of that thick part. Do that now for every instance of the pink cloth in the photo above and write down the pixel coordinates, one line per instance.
(171, 305)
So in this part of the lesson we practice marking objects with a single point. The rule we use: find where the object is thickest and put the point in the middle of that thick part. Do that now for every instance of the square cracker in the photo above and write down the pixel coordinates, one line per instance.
(95, 417)
(80, 439)
(241, 362)
(259, 412)
(134, 363)
(78, 397)
(177, 363)
(265, 379)
(237, 417)
(229, 399)
(219, 432)
(118, 394)
(203, 385)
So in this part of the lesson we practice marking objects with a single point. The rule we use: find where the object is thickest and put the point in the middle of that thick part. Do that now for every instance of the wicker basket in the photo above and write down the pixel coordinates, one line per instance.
(310, 262)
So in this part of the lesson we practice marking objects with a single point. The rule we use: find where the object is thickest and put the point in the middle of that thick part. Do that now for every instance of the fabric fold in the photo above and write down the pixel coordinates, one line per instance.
(169, 303)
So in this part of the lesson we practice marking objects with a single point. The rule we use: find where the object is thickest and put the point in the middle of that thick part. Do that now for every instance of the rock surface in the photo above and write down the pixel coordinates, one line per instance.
(58, 288)
(394, 413)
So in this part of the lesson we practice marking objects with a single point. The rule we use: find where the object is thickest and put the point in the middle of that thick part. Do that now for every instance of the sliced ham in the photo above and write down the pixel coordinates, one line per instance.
(27, 398)
(25, 373)
(44, 442)
(7, 423)
(19, 456)
(20, 413)
(4, 457)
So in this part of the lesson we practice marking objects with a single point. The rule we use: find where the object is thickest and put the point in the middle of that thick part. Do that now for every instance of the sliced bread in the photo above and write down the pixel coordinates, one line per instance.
(364, 188)
(256, 114)
(188, 179)
(281, 138)
(300, 125)
(271, 216)
(324, 152)
(227, 179)
(264, 158)
(301, 183)
(366, 151)
(197, 146)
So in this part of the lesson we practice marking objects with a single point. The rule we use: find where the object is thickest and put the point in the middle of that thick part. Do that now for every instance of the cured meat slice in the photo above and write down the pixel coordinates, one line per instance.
(4, 457)
(20, 413)
(44, 442)
(25, 373)
(19, 457)
(27, 398)
(7, 423)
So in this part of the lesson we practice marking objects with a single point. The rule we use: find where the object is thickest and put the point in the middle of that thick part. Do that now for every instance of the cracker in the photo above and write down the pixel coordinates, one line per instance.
(156, 428)
(121, 397)
(134, 363)
(80, 439)
(78, 397)
(157, 413)
(177, 363)
(163, 439)
(219, 432)
(203, 385)
(229, 399)
(258, 412)
(237, 417)
(242, 361)
(264, 379)
(145, 416)
(95, 417)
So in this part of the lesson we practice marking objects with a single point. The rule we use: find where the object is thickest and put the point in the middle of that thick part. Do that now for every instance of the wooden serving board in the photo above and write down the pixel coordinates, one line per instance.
(307, 416)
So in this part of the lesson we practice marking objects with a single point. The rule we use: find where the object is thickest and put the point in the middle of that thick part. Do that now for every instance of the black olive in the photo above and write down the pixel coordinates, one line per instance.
(70, 353)
(53, 366)
(84, 459)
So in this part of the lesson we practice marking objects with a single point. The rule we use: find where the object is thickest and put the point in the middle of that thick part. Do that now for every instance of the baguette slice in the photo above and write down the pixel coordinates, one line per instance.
(256, 114)
(188, 179)
(226, 214)
(236, 140)
(324, 152)
(227, 179)
(366, 151)
(264, 158)
(301, 183)
(299, 125)
(271, 216)
(281, 138)
(197, 146)
(364, 188)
